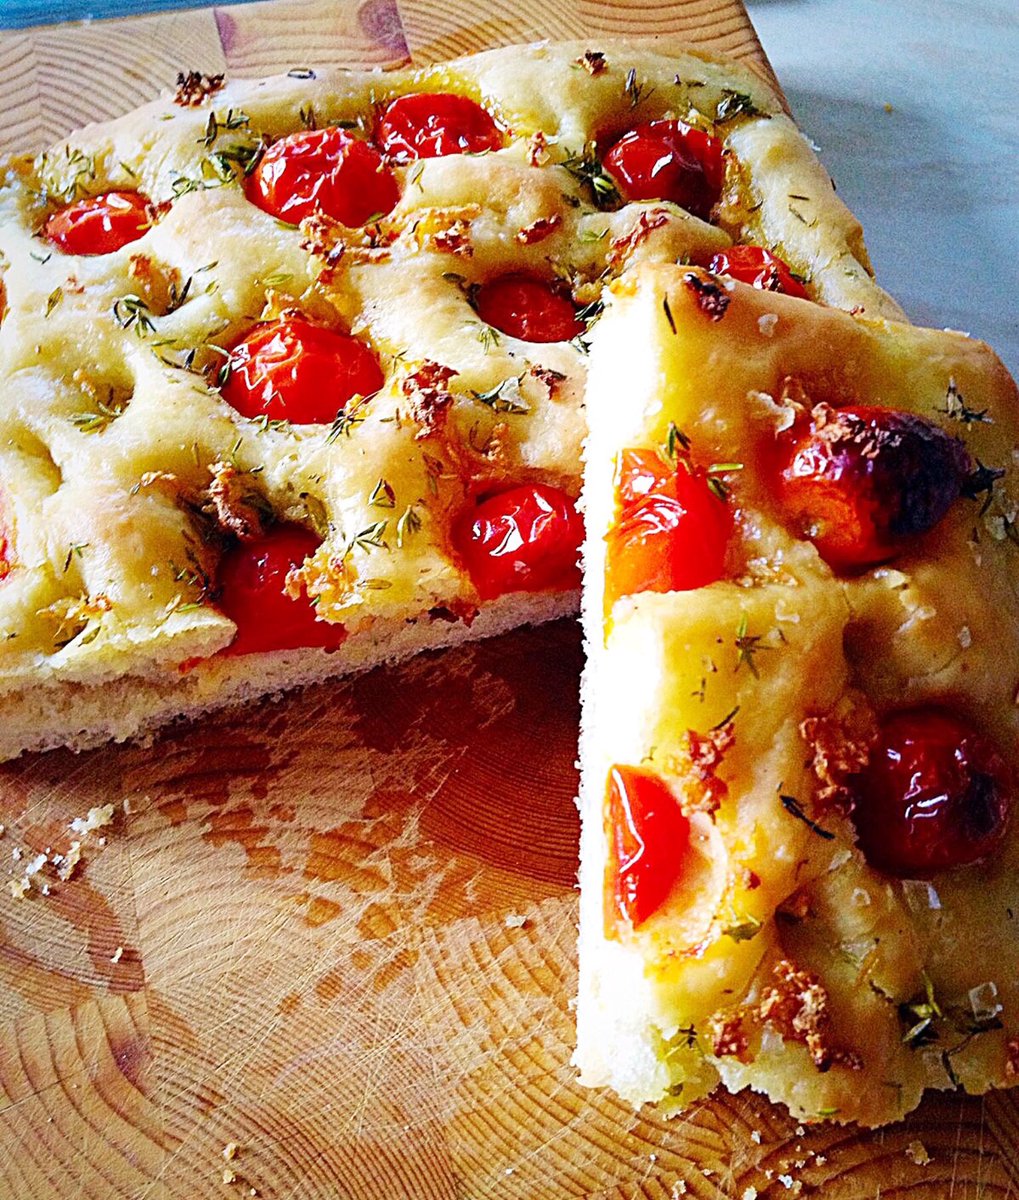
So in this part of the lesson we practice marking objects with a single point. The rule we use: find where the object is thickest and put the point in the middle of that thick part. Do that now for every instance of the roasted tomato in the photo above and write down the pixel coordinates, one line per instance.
(668, 160)
(863, 481)
(525, 539)
(323, 171)
(935, 795)
(295, 371)
(100, 224)
(672, 529)
(252, 579)
(758, 267)
(434, 124)
(527, 308)
(649, 839)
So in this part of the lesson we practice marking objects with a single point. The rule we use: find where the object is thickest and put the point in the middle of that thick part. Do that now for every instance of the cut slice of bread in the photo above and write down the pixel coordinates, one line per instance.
(774, 956)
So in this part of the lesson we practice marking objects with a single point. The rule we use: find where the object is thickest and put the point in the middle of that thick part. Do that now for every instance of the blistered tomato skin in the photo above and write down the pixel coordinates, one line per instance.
(100, 224)
(252, 578)
(759, 268)
(527, 308)
(325, 171)
(649, 839)
(524, 539)
(668, 160)
(434, 124)
(672, 530)
(936, 795)
(291, 370)
(861, 482)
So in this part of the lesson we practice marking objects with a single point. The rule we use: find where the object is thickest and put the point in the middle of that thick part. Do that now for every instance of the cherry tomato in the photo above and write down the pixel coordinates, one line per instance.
(935, 795)
(649, 839)
(758, 267)
(434, 124)
(100, 224)
(527, 308)
(668, 160)
(672, 531)
(294, 371)
(323, 171)
(525, 539)
(252, 576)
(864, 481)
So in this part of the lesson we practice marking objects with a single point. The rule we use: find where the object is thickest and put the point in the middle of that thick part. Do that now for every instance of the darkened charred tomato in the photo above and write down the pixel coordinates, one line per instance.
(100, 224)
(758, 267)
(862, 481)
(527, 308)
(252, 584)
(323, 171)
(291, 370)
(434, 124)
(671, 531)
(648, 841)
(668, 160)
(935, 795)
(525, 539)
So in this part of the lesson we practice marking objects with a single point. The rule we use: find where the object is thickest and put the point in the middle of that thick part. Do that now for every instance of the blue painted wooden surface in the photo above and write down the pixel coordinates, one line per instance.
(16, 13)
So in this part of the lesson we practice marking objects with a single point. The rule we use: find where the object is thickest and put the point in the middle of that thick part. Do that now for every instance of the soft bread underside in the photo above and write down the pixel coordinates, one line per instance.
(82, 716)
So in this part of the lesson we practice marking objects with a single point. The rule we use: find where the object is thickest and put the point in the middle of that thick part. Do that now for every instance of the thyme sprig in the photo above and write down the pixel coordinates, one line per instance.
(586, 167)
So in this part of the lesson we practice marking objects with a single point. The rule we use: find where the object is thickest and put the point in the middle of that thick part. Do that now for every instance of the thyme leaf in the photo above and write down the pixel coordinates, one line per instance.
(794, 808)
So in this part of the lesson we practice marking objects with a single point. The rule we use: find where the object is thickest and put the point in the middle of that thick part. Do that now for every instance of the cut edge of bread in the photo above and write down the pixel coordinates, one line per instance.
(81, 716)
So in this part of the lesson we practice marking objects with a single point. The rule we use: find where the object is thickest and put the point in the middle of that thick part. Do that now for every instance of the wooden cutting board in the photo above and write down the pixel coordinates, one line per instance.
(337, 933)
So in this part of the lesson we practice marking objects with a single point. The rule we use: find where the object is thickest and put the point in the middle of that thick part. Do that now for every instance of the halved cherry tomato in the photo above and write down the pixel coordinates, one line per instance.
(863, 481)
(323, 171)
(649, 840)
(525, 539)
(527, 308)
(294, 371)
(100, 224)
(935, 795)
(434, 124)
(672, 531)
(252, 576)
(758, 267)
(668, 160)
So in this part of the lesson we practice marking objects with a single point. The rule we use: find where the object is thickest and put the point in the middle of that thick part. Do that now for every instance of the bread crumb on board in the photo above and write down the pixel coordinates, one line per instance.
(54, 863)
(916, 1152)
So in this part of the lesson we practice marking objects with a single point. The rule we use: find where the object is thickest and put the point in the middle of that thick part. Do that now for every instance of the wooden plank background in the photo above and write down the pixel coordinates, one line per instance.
(337, 933)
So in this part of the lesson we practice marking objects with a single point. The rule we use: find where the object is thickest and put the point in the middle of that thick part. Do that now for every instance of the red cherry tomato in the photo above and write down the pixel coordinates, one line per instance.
(668, 160)
(649, 840)
(672, 531)
(526, 539)
(863, 481)
(294, 371)
(935, 795)
(323, 171)
(758, 267)
(252, 576)
(527, 308)
(434, 124)
(100, 224)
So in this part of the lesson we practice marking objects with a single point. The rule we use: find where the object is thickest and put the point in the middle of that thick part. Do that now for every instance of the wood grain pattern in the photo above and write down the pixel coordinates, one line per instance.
(338, 932)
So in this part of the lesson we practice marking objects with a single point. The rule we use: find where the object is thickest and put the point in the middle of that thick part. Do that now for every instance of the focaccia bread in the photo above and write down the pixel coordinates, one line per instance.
(283, 345)
(800, 868)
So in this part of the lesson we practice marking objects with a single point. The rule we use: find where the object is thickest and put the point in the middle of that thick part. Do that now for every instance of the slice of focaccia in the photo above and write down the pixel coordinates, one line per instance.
(800, 873)
(291, 370)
